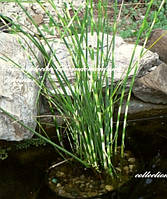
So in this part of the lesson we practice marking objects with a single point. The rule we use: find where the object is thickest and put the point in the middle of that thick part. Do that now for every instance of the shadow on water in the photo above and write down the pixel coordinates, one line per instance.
(25, 179)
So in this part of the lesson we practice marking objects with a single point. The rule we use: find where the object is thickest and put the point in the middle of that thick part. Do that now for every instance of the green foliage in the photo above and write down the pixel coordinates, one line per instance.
(132, 17)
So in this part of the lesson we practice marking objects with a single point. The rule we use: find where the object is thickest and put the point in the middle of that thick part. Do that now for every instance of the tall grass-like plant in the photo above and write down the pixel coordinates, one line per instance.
(87, 106)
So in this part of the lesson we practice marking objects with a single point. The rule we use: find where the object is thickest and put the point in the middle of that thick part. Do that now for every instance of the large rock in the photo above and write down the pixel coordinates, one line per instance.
(159, 37)
(140, 109)
(153, 86)
(149, 63)
(17, 92)
(123, 53)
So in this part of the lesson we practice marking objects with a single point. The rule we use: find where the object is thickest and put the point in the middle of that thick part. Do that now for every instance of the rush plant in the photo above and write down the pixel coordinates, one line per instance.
(87, 105)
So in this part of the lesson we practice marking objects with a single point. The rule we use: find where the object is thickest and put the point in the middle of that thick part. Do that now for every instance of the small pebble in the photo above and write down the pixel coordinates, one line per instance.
(92, 194)
(82, 185)
(90, 186)
(109, 187)
(61, 191)
(87, 184)
(58, 185)
(126, 169)
(60, 174)
(82, 177)
(54, 180)
(126, 154)
(118, 169)
(131, 167)
(102, 186)
(149, 181)
(131, 160)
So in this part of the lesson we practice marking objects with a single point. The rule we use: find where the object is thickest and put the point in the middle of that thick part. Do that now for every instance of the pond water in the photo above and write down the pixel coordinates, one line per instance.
(23, 177)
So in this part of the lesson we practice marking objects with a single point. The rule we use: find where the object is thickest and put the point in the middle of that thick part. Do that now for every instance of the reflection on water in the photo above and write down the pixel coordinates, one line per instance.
(21, 177)
(18, 181)
(26, 180)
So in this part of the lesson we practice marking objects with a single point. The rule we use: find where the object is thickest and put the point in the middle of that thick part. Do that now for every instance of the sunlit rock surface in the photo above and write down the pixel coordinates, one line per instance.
(151, 72)
(122, 57)
(17, 92)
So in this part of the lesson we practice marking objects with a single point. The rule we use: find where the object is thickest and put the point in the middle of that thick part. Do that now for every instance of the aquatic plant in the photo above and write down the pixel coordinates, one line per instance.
(87, 106)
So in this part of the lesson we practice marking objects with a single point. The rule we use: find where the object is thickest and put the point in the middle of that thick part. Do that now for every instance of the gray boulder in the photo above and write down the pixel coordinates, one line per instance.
(17, 92)
(123, 53)
(152, 87)
(160, 37)
(140, 109)
(147, 65)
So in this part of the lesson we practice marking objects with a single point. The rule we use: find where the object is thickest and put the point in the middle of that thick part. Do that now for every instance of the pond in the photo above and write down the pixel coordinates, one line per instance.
(23, 174)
